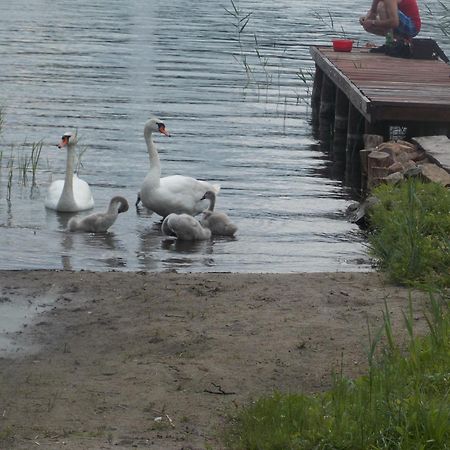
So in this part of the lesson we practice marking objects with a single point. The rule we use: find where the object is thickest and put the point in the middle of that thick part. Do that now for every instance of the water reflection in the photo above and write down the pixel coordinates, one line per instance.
(185, 254)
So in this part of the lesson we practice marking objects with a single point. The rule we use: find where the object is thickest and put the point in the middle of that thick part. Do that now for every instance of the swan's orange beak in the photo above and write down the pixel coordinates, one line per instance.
(162, 130)
(63, 142)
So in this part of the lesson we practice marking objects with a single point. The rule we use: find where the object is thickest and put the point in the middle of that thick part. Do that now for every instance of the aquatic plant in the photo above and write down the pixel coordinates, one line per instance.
(23, 163)
(440, 18)
(330, 23)
(2, 118)
(240, 20)
(10, 167)
(36, 148)
(306, 76)
(261, 70)
(79, 164)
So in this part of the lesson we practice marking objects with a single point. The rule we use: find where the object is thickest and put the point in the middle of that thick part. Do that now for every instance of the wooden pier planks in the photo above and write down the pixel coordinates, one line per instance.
(384, 88)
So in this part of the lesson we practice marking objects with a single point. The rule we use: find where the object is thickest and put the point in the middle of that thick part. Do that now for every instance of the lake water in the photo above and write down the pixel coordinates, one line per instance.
(104, 67)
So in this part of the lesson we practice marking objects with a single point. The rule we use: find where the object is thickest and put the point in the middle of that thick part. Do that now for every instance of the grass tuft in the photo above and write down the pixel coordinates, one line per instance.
(402, 403)
(411, 229)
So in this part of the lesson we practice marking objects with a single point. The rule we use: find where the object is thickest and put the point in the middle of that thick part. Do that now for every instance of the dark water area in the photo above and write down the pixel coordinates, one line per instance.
(104, 67)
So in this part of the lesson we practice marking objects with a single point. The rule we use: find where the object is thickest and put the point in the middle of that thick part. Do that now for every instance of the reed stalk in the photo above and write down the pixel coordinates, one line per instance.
(23, 163)
(36, 149)
(10, 167)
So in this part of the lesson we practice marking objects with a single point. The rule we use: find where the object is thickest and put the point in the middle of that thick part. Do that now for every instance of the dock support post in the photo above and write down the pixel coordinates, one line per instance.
(380, 128)
(354, 144)
(315, 95)
(326, 113)
(340, 129)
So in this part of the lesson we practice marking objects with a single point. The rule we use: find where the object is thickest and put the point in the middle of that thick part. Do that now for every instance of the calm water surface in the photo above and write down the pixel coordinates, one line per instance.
(104, 67)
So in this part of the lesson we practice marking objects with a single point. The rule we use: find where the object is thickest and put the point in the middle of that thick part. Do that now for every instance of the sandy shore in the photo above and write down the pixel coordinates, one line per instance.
(156, 361)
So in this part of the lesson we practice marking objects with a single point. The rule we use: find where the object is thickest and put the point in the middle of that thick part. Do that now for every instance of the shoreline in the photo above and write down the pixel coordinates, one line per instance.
(158, 360)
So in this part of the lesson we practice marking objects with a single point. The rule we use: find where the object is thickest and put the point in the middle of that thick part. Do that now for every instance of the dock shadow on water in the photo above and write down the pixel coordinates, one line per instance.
(246, 127)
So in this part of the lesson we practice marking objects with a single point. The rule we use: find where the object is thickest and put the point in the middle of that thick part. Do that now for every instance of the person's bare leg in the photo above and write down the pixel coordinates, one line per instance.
(382, 15)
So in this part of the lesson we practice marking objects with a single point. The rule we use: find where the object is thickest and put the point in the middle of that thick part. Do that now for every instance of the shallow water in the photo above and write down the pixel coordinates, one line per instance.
(104, 68)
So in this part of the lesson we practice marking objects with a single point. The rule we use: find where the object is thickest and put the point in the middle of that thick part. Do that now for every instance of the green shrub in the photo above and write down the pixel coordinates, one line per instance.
(411, 233)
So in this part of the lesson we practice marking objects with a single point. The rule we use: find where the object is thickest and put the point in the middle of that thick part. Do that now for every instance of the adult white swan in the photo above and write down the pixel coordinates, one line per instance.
(71, 194)
(173, 194)
(100, 222)
(218, 222)
(184, 227)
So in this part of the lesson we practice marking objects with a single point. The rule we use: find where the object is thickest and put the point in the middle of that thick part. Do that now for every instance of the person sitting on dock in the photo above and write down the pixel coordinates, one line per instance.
(398, 20)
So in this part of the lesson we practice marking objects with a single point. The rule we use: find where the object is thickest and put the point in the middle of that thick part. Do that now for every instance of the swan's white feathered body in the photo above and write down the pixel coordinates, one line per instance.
(173, 194)
(184, 227)
(100, 222)
(71, 194)
(218, 222)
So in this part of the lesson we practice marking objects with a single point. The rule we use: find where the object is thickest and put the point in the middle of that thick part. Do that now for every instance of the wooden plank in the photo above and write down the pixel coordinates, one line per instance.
(354, 95)
(383, 88)
(397, 112)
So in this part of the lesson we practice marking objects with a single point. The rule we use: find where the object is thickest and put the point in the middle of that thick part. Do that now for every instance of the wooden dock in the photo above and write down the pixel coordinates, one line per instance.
(359, 92)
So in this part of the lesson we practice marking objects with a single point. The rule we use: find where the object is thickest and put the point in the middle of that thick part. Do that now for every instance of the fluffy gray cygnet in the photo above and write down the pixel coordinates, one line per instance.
(184, 227)
(100, 222)
(218, 222)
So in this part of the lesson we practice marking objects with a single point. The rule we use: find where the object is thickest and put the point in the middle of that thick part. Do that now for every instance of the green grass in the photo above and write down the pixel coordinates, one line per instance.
(411, 233)
(402, 403)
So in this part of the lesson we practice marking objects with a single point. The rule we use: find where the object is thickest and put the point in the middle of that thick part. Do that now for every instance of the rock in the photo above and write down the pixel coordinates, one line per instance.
(401, 151)
(359, 213)
(409, 165)
(437, 148)
(414, 171)
(394, 178)
(395, 167)
(432, 172)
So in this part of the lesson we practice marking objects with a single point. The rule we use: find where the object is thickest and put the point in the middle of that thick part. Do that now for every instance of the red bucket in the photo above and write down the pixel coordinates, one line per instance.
(342, 45)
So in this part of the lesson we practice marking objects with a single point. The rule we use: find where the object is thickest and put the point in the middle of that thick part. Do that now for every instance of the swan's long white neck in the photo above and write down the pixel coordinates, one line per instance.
(67, 197)
(155, 166)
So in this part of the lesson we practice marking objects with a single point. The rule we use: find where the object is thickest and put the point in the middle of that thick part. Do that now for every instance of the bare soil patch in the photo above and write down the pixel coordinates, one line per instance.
(157, 360)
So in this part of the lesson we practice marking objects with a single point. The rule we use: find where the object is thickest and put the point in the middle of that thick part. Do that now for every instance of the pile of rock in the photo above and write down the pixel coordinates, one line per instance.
(393, 161)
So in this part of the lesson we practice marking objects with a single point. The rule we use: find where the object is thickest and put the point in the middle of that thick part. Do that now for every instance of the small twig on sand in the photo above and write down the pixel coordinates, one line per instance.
(170, 421)
(219, 390)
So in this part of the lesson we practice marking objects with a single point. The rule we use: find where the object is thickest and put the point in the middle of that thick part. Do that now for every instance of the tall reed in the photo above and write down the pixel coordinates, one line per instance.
(36, 148)
(10, 167)
(2, 118)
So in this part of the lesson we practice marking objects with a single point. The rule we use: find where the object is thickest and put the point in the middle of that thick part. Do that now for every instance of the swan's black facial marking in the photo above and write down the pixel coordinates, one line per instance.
(64, 140)
(162, 129)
